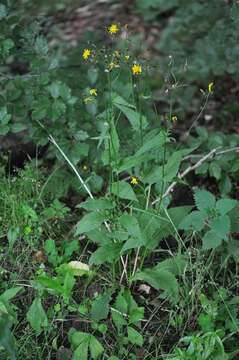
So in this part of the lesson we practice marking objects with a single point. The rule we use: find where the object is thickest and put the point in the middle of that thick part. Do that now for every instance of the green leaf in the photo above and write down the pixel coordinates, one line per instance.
(54, 89)
(100, 307)
(225, 205)
(211, 240)
(4, 116)
(123, 190)
(215, 170)
(12, 236)
(166, 173)
(204, 200)
(135, 337)
(159, 279)
(195, 221)
(6, 337)
(39, 113)
(89, 222)
(15, 128)
(106, 253)
(133, 116)
(221, 226)
(10, 294)
(96, 349)
(41, 46)
(130, 224)
(176, 265)
(97, 204)
(153, 143)
(37, 316)
(132, 161)
(3, 11)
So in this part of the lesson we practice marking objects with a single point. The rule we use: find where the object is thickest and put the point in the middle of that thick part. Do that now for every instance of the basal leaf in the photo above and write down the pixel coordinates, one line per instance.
(204, 200)
(36, 316)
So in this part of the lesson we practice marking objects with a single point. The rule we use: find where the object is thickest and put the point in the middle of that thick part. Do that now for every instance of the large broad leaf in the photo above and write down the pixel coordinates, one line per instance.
(83, 342)
(204, 200)
(135, 160)
(160, 279)
(36, 316)
(123, 190)
(193, 221)
(89, 222)
(225, 205)
(131, 225)
(176, 265)
(97, 204)
(221, 226)
(211, 240)
(10, 294)
(6, 336)
(153, 143)
(106, 253)
(166, 173)
(100, 307)
(176, 215)
(135, 337)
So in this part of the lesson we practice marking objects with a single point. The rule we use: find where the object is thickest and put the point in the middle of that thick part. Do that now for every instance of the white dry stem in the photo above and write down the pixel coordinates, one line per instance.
(53, 141)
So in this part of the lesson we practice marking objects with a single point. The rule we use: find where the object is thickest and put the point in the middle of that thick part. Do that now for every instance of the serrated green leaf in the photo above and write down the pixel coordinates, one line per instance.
(195, 221)
(215, 170)
(225, 205)
(106, 253)
(211, 240)
(204, 200)
(221, 226)
(135, 337)
(89, 222)
(96, 349)
(100, 307)
(159, 279)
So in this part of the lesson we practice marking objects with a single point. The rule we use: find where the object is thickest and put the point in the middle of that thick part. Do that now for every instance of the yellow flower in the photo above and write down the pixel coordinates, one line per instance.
(126, 57)
(136, 69)
(134, 180)
(210, 87)
(174, 118)
(86, 54)
(113, 29)
(93, 92)
(85, 167)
